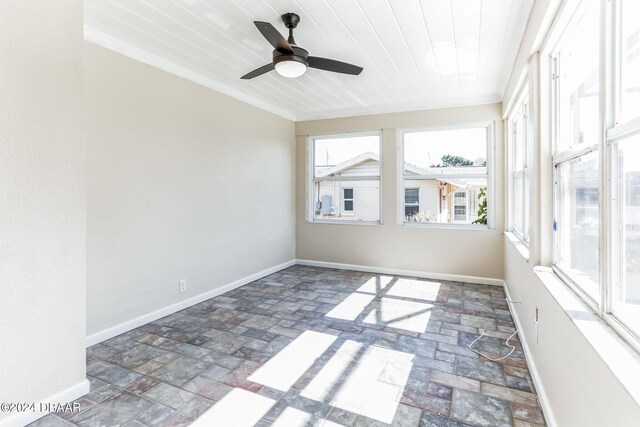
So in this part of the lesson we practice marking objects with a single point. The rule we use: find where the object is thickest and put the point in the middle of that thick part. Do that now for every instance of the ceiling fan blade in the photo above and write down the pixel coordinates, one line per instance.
(333, 65)
(258, 72)
(274, 37)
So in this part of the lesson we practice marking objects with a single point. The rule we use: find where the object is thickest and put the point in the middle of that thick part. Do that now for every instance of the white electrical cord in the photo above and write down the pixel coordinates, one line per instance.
(487, 357)
(509, 302)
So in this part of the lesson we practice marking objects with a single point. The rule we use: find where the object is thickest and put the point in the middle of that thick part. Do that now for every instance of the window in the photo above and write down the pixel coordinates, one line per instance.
(411, 202)
(460, 206)
(520, 169)
(576, 152)
(445, 176)
(587, 197)
(624, 142)
(345, 178)
(347, 200)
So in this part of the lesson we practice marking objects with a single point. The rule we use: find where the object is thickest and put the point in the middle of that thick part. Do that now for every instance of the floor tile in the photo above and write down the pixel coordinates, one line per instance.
(479, 410)
(395, 353)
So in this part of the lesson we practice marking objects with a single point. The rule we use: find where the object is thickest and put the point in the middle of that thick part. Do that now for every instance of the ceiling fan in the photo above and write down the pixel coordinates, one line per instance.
(290, 60)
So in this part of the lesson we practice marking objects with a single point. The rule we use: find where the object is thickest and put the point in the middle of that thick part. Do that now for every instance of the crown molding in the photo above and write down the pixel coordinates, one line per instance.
(109, 42)
(369, 111)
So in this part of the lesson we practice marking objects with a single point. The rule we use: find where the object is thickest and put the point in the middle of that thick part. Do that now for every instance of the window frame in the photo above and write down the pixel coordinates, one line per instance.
(311, 179)
(612, 131)
(345, 200)
(566, 155)
(490, 175)
(417, 203)
(520, 111)
(465, 205)
(616, 131)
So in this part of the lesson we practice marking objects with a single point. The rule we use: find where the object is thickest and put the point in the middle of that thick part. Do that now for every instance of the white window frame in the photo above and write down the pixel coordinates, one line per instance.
(311, 179)
(411, 204)
(345, 200)
(520, 112)
(400, 178)
(615, 131)
(465, 204)
(612, 132)
(571, 153)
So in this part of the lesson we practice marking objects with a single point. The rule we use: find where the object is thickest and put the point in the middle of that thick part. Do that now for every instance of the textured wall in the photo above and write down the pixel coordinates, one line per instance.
(42, 200)
(183, 182)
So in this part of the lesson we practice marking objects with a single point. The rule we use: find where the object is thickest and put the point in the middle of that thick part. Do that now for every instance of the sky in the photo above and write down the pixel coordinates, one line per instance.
(421, 149)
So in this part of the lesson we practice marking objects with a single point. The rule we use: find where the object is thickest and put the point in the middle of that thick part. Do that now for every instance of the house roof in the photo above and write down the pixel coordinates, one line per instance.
(348, 164)
(408, 167)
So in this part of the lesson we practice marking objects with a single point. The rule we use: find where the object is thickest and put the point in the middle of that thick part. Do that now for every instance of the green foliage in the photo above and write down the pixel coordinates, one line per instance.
(452, 161)
(482, 207)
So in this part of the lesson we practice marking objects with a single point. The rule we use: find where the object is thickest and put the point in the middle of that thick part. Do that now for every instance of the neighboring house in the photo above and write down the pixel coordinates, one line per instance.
(445, 199)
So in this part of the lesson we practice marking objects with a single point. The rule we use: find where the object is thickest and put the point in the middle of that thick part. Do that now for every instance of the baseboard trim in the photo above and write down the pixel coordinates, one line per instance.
(20, 419)
(535, 375)
(398, 272)
(165, 311)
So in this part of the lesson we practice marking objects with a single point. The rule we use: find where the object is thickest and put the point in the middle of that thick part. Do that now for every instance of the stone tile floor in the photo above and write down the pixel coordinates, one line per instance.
(316, 347)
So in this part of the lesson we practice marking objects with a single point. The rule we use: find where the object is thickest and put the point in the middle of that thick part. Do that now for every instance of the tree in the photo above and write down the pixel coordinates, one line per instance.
(482, 207)
(449, 160)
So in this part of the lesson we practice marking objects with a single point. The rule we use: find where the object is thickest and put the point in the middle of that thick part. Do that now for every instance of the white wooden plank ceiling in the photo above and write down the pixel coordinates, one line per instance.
(416, 54)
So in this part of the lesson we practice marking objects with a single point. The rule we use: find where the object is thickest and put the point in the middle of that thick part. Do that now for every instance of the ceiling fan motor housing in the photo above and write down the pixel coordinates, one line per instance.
(299, 55)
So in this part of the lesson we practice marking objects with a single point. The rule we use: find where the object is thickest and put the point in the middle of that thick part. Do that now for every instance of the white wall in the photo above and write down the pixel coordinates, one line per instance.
(183, 182)
(42, 202)
(580, 387)
(429, 250)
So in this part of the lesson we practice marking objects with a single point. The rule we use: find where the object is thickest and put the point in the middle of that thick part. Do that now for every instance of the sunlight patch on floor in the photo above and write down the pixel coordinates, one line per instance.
(333, 372)
(375, 284)
(402, 314)
(351, 307)
(239, 408)
(292, 417)
(369, 389)
(415, 289)
(284, 369)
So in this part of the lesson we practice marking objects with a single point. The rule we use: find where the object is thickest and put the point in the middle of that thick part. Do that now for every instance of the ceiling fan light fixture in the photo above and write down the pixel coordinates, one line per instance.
(291, 68)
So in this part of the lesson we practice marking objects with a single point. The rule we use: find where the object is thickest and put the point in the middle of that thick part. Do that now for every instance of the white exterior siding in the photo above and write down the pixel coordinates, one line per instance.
(366, 199)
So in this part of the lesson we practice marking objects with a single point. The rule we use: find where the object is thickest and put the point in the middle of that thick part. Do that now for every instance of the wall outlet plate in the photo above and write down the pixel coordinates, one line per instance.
(182, 285)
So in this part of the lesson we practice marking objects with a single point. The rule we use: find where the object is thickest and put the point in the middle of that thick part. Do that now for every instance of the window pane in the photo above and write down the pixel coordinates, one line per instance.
(349, 156)
(577, 221)
(518, 213)
(446, 175)
(627, 258)
(364, 205)
(411, 195)
(630, 60)
(525, 213)
(442, 202)
(454, 148)
(577, 62)
(353, 157)
(411, 211)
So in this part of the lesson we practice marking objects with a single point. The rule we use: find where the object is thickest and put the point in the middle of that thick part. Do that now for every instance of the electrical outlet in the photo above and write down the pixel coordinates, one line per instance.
(182, 286)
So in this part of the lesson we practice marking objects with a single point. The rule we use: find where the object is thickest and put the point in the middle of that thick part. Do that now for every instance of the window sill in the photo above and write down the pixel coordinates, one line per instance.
(474, 227)
(619, 355)
(343, 222)
(519, 244)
